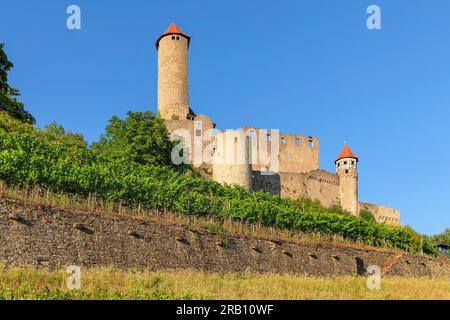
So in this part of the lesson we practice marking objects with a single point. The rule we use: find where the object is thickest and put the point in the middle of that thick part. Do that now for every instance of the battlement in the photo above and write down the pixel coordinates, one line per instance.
(382, 214)
(296, 153)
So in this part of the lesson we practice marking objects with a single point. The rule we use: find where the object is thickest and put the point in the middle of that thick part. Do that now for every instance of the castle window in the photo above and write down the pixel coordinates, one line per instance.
(178, 38)
(283, 140)
(267, 137)
(310, 143)
(198, 133)
(345, 162)
(173, 37)
(297, 141)
(353, 162)
(346, 171)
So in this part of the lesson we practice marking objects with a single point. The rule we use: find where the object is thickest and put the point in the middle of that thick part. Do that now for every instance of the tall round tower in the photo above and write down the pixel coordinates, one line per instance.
(173, 94)
(231, 163)
(347, 169)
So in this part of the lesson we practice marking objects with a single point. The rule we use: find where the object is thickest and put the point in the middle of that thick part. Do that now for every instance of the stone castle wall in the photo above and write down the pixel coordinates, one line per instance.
(231, 159)
(195, 134)
(318, 185)
(295, 153)
(48, 237)
(382, 214)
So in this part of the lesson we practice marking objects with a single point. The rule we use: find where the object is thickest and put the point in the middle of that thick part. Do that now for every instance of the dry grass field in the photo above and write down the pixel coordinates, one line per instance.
(101, 284)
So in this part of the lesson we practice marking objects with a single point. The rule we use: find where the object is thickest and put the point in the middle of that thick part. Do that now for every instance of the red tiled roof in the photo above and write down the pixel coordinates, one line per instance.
(173, 29)
(346, 153)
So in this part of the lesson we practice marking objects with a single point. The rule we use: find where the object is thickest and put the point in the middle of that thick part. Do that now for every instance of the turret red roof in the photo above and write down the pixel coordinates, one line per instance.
(346, 153)
(173, 29)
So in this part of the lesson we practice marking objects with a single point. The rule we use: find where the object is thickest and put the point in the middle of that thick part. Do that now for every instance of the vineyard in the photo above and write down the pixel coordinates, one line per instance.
(28, 159)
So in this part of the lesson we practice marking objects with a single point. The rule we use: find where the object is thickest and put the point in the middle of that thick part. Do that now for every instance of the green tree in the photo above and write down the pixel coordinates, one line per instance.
(11, 124)
(366, 215)
(141, 137)
(8, 101)
(443, 237)
(56, 133)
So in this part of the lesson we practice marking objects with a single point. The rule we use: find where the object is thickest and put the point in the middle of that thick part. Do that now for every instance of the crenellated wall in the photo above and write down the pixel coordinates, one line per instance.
(318, 185)
(295, 153)
(382, 214)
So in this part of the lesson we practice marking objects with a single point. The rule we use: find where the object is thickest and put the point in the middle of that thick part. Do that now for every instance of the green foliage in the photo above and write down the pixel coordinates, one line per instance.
(366, 215)
(9, 123)
(141, 138)
(55, 132)
(26, 159)
(8, 101)
(443, 237)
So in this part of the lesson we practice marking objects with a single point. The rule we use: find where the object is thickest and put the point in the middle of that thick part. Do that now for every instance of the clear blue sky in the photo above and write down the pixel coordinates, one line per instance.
(307, 67)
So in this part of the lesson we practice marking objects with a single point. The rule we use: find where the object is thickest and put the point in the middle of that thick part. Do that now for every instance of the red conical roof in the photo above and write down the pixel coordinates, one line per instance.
(346, 153)
(173, 29)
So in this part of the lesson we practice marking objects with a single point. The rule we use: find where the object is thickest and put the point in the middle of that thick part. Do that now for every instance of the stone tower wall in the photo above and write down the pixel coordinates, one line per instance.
(231, 159)
(173, 95)
(348, 190)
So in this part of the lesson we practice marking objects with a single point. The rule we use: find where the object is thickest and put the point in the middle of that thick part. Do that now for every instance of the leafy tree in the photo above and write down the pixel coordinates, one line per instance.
(141, 137)
(443, 237)
(11, 124)
(366, 215)
(8, 101)
(56, 133)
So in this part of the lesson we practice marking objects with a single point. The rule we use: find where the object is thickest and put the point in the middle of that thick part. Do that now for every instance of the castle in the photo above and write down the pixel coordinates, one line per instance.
(256, 159)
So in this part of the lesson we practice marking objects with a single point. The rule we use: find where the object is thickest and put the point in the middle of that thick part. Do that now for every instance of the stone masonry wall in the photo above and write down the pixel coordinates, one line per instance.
(317, 184)
(48, 237)
(382, 214)
(173, 93)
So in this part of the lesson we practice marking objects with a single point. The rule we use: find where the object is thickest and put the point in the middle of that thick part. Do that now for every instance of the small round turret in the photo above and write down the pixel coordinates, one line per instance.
(347, 169)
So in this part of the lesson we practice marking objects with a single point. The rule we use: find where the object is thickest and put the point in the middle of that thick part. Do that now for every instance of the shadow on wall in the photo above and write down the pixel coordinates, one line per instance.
(360, 268)
(270, 183)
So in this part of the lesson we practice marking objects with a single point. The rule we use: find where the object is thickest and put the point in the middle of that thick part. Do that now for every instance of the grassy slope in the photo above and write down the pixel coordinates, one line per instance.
(112, 284)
